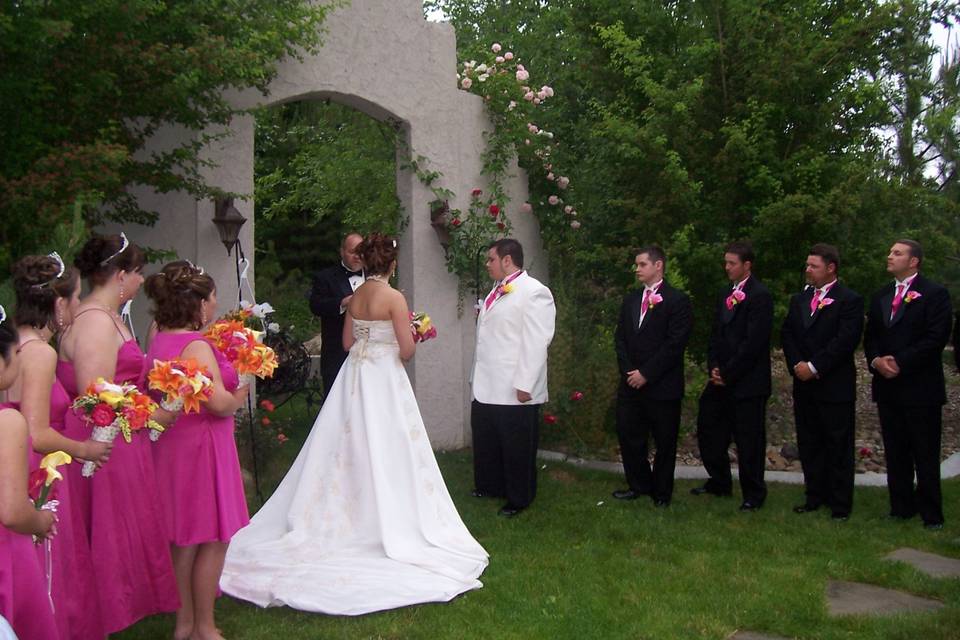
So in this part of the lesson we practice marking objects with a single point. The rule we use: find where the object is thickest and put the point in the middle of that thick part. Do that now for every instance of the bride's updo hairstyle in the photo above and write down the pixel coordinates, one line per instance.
(178, 291)
(103, 256)
(38, 283)
(378, 253)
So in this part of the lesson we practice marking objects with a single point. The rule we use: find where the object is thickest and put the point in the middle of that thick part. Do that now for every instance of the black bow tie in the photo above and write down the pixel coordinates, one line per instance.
(353, 273)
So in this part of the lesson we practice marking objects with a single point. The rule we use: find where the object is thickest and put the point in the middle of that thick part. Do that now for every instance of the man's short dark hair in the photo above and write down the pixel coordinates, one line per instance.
(742, 249)
(509, 247)
(654, 252)
(829, 253)
(916, 251)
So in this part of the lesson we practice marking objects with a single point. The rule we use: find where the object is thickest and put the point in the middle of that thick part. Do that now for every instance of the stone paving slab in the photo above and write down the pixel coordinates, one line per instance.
(853, 598)
(931, 564)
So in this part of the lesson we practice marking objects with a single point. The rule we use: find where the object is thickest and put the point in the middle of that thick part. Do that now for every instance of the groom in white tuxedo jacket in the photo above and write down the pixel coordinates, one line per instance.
(514, 329)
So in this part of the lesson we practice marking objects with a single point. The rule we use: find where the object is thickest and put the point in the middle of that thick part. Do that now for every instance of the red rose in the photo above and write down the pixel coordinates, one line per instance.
(281, 438)
(494, 210)
(455, 222)
(476, 192)
(865, 452)
(576, 395)
(501, 226)
(102, 415)
(136, 419)
(549, 418)
(267, 405)
(265, 421)
(35, 482)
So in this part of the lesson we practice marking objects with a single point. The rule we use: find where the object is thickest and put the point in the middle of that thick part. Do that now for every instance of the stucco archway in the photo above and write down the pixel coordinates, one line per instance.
(383, 58)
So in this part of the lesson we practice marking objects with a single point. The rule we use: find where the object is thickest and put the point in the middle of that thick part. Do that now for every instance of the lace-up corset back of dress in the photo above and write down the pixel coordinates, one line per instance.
(373, 338)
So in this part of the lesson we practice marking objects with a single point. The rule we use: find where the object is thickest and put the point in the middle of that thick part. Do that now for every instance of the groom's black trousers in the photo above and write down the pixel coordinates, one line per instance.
(505, 439)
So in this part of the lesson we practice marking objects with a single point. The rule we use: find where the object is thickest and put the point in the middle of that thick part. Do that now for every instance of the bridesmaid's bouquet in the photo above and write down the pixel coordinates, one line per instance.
(242, 346)
(43, 493)
(422, 327)
(183, 383)
(114, 409)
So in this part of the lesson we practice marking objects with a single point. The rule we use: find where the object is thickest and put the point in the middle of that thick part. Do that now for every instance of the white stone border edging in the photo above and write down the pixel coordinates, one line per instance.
(949, 468)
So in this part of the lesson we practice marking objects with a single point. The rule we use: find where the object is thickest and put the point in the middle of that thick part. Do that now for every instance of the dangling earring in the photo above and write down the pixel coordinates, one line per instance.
(121, 293)
(59, 320)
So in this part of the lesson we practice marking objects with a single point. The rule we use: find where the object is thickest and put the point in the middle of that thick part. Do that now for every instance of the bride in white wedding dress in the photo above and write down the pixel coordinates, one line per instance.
(363, 521)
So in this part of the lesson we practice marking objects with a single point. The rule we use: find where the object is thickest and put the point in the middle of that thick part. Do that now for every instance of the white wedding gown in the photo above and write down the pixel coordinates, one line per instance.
(363, 521)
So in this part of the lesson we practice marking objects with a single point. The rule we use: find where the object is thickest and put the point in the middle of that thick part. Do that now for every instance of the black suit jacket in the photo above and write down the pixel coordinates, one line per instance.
(740, 341)
(956, 342)
(915, 337)
(655, 348)
(330, 286)
(828, 339)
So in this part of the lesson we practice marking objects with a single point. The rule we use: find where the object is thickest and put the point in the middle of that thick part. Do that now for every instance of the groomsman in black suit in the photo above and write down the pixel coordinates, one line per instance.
(908, 326)
(651, 335)
(332, 289)
(734, 402)
(820, 335)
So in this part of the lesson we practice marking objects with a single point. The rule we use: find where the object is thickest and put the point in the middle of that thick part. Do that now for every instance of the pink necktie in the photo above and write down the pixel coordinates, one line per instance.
(897, 299)
(646, 301)
(815, 301)
(491, 297)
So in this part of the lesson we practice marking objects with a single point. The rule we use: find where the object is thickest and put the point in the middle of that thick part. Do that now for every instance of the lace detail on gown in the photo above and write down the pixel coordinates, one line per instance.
(363, 520)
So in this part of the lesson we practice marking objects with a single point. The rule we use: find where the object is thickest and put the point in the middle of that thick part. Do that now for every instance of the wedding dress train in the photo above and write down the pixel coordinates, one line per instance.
(363, 521)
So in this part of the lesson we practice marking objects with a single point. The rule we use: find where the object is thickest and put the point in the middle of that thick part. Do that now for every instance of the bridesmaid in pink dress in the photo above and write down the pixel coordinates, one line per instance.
(196, 458)
(23, 594)
(48, 295)
(120, 504)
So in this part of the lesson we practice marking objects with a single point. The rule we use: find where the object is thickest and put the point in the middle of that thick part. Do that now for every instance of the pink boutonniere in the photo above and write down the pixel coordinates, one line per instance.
(735, 298)
(825, 302)
(911, 296)
(654, 300)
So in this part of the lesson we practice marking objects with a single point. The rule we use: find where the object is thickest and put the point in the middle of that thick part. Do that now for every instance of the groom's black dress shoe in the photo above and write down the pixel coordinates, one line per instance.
(806, 507)
(840, 516)
(699, 491)
(626, 494)
(478, 494)
(660, 502)
(749, 506)
(508, 510)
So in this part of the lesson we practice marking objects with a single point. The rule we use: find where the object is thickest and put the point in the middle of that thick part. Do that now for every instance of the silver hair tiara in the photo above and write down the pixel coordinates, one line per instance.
(123, 247)
(3, 314)
(195, 267)
(60, 269)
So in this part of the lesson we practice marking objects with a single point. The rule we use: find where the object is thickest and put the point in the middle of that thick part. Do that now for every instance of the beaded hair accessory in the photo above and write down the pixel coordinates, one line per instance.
(123, 247)
(60, 269)
(394, 242)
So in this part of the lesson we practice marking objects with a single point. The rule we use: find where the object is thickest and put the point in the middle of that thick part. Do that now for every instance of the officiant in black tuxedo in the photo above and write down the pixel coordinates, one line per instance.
(908, 326)
(734, 402)
(331, 292)
(651, 335)
(820, 334)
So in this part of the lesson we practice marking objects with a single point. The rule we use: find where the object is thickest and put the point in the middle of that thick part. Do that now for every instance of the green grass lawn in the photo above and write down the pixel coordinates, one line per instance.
(572, 568)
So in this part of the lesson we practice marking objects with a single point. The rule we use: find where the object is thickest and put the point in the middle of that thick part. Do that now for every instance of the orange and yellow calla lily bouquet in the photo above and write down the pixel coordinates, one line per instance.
(114, 409)
(40, 486)
(242, 346)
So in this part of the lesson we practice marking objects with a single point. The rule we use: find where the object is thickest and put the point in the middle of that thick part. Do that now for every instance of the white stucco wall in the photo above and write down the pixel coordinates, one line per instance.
(383, 58)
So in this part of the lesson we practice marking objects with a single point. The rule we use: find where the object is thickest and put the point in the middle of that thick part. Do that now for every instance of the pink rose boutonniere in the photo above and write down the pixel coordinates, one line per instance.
(825, 302)
(735, 298)
(911, 296)
(654, 300)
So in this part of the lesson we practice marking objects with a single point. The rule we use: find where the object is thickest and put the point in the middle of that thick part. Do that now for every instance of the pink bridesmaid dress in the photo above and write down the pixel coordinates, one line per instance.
(121, 511)
(201, 488)
(23, 592)
(76, 607)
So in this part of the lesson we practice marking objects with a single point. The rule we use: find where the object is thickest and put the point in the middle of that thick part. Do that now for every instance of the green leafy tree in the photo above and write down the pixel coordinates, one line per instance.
(84, 85)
